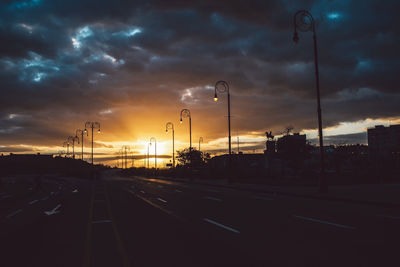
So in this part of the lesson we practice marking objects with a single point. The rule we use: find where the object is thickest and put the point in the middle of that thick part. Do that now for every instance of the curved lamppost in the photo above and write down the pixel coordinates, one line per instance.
(73, 139)
(304, 21)
(222, 87)
(153, 140)
(185, 113)
(92, 125)
(66, 144)
(200, 141)
(125, 155)
(81, 133)
(168, 126)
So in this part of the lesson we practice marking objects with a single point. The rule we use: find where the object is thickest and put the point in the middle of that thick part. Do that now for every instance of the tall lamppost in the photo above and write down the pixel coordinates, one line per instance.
(66, 144)
(168, 126)
(125, 154)
(304, 21)
(222, 87)
(81, 133)
(153, 140)
(148, 155)
(73, 139)
(200, 141)
(185, 113)
(92, 125)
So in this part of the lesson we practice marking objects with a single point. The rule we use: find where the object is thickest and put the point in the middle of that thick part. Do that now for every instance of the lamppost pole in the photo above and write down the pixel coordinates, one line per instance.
(148, 155)
(81, 133)
(168, 126)
(200, 141)
(222, 87)
(125, 155)
(66, 143)
(153, 140)
(304, 21)
(185, 113)
(73, 139)
(92, 125)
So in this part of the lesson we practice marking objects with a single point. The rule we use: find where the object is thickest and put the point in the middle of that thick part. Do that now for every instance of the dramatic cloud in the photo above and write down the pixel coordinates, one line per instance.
(133, 65)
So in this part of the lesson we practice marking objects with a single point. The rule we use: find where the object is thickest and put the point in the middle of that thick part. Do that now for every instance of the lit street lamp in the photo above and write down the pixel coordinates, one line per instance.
(81, 133)
(200, 141)
(73, 139)
(185, 113)
(168, 126)
(153, 140)
(222, 87)
(303, 21)
(92, 125)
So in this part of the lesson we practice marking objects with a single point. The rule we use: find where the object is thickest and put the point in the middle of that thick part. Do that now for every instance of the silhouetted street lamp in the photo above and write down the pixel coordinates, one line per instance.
(153, 140)
(185, 113)
(126, 148)
(168, 126)
(148, 155)
(81, 133)
(66, 144)
(73, 139)
(303, 21)
(200, 141)
(222, 87)
(92, 125)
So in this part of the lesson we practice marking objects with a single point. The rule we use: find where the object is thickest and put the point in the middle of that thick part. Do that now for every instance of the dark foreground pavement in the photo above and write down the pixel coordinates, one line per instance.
(140, 222)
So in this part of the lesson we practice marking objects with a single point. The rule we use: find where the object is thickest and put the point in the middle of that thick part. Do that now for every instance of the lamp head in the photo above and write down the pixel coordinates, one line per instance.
(215, 97)
(98, 131)
(180, 121)
(85, 131)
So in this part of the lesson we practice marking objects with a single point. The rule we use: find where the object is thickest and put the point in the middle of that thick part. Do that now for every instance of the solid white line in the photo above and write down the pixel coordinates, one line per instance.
(325, 222)
(142, 192)
(212, 198)
(13, 213)
(162, 200)
(177, 190)
(33, 201)
(102, 221)
(388, 216)
(221, 225)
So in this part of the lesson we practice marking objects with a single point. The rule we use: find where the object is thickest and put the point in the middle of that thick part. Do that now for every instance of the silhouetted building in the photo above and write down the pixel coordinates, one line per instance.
(383, 141)
(295, 143)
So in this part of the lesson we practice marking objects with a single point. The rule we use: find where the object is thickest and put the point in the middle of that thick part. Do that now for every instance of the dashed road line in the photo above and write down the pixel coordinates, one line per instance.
(13, 213)
(325, 222)
(33, 202)
(222, 226)
(162, 200)
(141, 191)
(212, 198)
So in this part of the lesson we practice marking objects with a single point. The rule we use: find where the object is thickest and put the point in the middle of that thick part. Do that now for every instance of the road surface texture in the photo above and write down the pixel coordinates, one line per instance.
(119, 221)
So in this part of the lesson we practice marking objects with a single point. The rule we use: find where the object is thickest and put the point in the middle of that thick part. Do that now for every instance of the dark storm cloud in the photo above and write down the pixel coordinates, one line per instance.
(62, 62)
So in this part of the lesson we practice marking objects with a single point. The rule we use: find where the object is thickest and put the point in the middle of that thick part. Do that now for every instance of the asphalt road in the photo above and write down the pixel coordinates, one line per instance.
(147, 222)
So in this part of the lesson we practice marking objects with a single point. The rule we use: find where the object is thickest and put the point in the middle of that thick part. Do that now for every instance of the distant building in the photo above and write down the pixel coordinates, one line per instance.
(383, 141)
(295, 143)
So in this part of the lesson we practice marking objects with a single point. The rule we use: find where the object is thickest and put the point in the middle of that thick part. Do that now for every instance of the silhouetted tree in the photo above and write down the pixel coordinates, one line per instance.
(192, 158)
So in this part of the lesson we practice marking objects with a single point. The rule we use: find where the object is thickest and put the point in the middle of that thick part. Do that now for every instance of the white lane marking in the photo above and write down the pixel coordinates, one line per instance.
(162, 200)
(177, 190)
(262, 198)
(221, 225)
(33, 202)
(75, 191)
(212, 198)
(325, 222)
(13, 213)
(101, 221)
(45, 198)
(141, 191)
(53, 211)
(389, 216)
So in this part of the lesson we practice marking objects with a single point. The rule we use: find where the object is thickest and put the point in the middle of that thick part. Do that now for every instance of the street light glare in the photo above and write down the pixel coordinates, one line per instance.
(180, 121)
(215, 99)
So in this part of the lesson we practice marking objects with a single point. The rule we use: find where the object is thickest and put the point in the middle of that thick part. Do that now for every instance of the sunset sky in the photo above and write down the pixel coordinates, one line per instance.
(133, 65)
